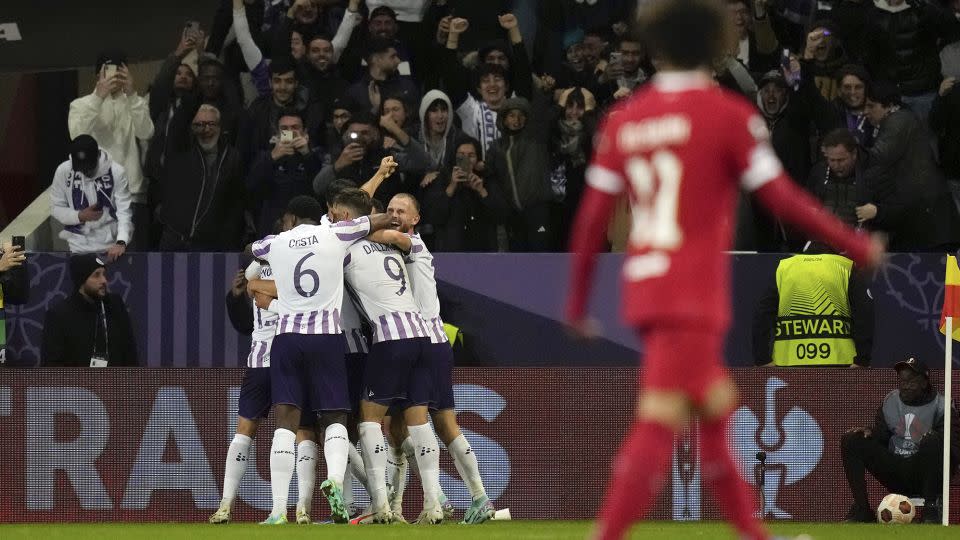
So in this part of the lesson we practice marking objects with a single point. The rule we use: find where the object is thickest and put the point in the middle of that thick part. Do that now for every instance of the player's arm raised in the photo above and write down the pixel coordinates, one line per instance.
(387, 167)
(392, 237)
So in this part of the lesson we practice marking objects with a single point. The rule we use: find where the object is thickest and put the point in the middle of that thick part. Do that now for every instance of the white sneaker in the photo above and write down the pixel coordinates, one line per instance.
(430, 516)
(303, 517)
(222, 515)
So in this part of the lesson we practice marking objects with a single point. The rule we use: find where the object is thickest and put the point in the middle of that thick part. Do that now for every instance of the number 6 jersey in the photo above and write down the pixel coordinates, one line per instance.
(377, 278)
(307, 264)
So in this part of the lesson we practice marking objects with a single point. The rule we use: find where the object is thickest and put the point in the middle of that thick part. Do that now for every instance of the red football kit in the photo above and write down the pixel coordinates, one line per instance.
(681, 149)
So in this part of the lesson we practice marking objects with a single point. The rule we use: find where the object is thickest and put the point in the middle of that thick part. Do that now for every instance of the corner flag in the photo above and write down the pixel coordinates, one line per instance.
(951, 297)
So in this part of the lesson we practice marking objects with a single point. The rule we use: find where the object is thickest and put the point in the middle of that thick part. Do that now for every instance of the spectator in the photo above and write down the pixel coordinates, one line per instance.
(824, 56)
(461, 205)
(756, 44)
(397, 124)
(519, 161)
(223, 95)
(382, 26)
(381, 78)
(945, 120)
(906, 196)
(478, 116)
(261, 119)
(437, 132)
(89, 328)
(14, 287)
(303, 18)
(336, 128)
(837, 180)
(571, 145)
(903, 449)
(116, 117)
(630, 71)
(282, 173)
(816, 311)
(321, 75)
(361, 155)
(89, 196)
(203, 198)
(174, 85)
(903, 41)
(844, 111)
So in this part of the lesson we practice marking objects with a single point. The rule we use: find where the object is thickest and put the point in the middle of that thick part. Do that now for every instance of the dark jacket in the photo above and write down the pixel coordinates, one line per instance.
(259, 124)
(901, 46)
(882, 431)
(71, 326)
(520, 161)
(162, 101)
(271, 184)
(945, 121)
(902, 180)
(466, 221)
(324, 87)
(206, 214)
(400, 86)
(15, 285)
(841, 196)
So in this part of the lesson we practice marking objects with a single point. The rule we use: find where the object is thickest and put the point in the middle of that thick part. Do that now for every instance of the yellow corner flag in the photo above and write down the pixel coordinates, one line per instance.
(951, 298)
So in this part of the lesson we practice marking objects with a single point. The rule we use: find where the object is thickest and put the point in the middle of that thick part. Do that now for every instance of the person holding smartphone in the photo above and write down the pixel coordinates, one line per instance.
(14, 284)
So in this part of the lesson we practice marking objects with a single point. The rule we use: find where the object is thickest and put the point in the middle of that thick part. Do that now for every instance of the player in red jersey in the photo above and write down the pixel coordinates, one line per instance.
(681, 148)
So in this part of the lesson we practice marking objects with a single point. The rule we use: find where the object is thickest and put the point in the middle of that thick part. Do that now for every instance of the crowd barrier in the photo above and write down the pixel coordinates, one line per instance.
(149, 444)
(509, 307)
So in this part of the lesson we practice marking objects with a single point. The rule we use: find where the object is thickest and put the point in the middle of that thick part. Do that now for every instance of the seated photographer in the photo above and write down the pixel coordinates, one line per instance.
(904, 448)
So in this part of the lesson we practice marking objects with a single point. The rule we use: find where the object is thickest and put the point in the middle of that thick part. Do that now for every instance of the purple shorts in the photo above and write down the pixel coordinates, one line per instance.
(398, 370)
(356, 363)
(440, 357)
(254, 402)
(309, 372)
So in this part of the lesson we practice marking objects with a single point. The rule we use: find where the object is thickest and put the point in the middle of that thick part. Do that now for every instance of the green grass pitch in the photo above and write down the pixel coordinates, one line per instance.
(512, 530)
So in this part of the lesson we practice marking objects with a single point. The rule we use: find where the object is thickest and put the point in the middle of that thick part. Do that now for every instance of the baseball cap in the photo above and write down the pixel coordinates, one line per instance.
(773, 76)
(918, 366)
(84, 153)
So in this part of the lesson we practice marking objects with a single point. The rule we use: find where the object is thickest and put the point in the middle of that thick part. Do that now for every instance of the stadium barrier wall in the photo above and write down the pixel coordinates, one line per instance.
(500, 301)
(149, 444)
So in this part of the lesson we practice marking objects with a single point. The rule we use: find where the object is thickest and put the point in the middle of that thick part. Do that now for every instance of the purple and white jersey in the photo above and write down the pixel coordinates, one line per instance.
(307, 264)
(379, 283)
(352, 329)
(419, 263)
(264, 322)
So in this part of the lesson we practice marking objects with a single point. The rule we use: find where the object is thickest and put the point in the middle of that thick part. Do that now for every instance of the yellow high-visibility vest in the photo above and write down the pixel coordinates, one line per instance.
(814, 324)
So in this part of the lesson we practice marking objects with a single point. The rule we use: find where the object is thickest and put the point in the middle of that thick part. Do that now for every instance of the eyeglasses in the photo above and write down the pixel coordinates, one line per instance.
(203, 125)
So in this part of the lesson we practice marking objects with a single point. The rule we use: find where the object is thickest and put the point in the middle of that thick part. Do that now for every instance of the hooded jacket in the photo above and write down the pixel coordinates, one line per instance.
(520, 160)
(444, 154)
(72, 191)
(116, 123)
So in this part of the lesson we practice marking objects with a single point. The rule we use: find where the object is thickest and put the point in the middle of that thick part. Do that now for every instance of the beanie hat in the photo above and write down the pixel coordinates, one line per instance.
(81, 266)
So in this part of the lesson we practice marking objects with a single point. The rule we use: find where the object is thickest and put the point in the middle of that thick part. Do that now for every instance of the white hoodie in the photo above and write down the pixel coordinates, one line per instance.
(428, 99)
(72, 191)
(116, 123)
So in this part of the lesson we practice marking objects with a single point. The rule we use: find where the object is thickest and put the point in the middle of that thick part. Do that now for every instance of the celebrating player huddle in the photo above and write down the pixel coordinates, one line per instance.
(311, 361)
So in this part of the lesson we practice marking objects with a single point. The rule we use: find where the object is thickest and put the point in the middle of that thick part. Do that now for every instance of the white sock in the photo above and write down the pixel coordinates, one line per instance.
(348, 488)
(306, 473)
(282, 461)
(396, 471)
(410, 451)
(375, 462)
(235, 467)
(427, 453)
(356, 467)
(466, 463)
(336, 444)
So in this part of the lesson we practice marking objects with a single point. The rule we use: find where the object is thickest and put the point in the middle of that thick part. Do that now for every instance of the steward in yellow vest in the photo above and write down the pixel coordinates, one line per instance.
(818, 313)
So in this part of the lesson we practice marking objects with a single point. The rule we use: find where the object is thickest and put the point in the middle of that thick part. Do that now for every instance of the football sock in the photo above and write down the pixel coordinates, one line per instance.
(638, 473)
(236, 465)
(306, 473)
(336, 448)
(282, 459)
(466, 463)
(375, 462)
(409, 450)
(356, 466)
(348, 488)
(427, 454)
(721, 476)
(395, 466)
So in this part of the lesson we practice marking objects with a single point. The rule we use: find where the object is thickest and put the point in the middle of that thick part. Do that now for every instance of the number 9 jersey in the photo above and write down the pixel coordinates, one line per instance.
(681, 148)
(307, 264)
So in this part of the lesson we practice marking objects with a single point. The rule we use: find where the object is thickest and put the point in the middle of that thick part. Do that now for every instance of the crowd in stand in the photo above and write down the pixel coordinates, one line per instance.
(489, 109)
